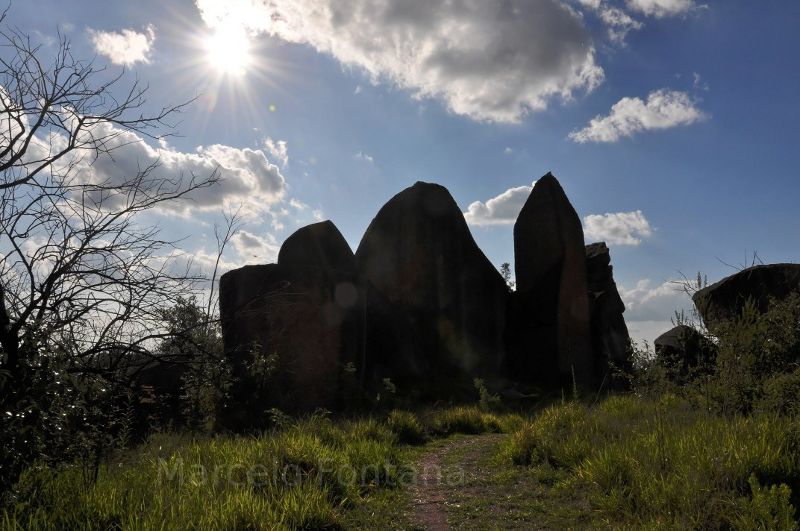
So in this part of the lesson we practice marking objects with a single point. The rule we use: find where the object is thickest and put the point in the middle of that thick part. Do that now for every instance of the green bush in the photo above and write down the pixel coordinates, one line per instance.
(406, 426)
(767, 508)
(780, 395)
(464, 419)
(555, 437)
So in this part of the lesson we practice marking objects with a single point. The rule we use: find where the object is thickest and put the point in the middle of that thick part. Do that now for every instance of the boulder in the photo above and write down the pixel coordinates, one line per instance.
(289, 328)
(723, 300)
(684, 352)
(319, 245)
(550, 338)
(610, 339)
(429, 275)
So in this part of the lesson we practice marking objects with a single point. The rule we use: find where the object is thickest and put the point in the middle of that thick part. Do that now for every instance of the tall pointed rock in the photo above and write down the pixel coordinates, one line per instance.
(551, 334)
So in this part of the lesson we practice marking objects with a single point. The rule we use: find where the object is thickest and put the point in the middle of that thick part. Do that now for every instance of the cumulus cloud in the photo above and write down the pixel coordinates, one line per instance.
(644, 302)
(619, 23)
(256, 249)
(649, 310)
(662, 110)
(489, 61)
(662, 8)
(499, 210)
(246, 177)
(125, 47)
(619, 228)
(278, 149)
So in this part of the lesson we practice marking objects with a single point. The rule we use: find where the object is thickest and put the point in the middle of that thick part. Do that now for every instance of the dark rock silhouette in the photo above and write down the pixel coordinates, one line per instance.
(550, 339)
(422, 261)
(684, 352)
(420, 304)
(318, 245)
(290, 327)
(610, 339)
(723, 300)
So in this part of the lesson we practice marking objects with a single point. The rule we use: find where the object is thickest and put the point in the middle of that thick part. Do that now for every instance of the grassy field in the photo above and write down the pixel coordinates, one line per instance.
(313, 474)
(624, 463)
(665, 464)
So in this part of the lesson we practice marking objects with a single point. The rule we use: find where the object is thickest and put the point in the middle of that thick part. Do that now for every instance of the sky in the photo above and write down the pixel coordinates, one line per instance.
(671, 124)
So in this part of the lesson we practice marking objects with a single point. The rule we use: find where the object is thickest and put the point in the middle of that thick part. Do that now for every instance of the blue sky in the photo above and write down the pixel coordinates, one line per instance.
(671, 124)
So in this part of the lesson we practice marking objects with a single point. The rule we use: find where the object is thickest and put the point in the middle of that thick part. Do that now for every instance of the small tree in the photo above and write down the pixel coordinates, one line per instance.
(505, 271)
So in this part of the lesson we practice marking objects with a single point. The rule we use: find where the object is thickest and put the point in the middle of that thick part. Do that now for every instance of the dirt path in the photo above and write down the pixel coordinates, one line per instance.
(437, 478)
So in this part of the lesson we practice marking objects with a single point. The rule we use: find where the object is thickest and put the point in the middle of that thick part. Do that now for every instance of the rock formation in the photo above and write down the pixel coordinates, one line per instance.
(724, 300)
(550, 337)
(610, 339)
(423, 263)
(683, 351)
(290, 327)
(420, 304)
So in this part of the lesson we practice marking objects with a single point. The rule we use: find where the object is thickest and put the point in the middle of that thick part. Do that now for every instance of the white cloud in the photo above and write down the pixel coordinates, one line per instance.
(659, 303)
(698, 82)
(499, 210)
(664, 109)
(619, 23)
(318, 214)
(297, 204)
(364, 156)
(255, 249)
(126, 47)
(246, 177)
(662, 8)
(278, 149)
(508, 151)
(619, 228)
(489, 61)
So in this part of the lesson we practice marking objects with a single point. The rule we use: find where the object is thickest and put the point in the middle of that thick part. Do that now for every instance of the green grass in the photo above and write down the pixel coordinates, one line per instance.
(305, 477)
(624, 463)
(470, 420)
(313, 474)
(664, 464)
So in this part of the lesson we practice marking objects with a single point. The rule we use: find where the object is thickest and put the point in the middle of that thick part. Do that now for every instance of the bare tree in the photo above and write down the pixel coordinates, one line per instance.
(81, 277)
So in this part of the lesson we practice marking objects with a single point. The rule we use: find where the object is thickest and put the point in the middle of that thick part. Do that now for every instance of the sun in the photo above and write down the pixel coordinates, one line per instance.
(228, 50)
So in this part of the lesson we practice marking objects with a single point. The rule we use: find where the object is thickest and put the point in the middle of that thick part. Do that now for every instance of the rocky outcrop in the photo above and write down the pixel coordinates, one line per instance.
(290, 327)
(684, 353)
(419, 304)
(610, 339)
(723, 301)
(550, 338)
(423, 263)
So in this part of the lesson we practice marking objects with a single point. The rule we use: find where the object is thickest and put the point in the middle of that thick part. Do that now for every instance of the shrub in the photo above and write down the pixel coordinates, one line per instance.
(406, 427)
(558, 436)
(486, 400)
(767, 508)
(781, 395)
(464, 419)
